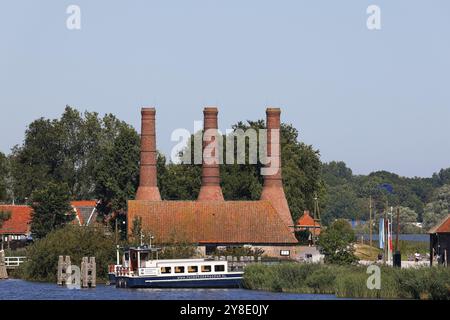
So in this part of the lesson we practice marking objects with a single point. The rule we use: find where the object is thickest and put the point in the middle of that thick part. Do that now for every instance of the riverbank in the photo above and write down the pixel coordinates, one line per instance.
(350, 281)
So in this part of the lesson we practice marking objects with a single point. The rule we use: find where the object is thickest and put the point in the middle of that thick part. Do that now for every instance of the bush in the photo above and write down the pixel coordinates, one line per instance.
(73, 241)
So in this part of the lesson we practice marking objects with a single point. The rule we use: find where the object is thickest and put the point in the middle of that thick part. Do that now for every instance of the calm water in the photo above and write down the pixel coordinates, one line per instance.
(405, 237)
(14, 289)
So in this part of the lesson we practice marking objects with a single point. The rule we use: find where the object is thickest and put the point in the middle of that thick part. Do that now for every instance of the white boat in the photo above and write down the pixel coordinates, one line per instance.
(140, 270)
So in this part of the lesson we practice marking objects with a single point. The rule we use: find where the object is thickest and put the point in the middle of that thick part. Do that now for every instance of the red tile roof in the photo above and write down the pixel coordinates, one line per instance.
(306, 221)
(83, 210)
(19, 223)
(442, 227)
(224, 222)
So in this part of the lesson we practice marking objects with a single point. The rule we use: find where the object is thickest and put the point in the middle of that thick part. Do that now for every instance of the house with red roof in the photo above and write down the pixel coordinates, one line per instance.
(440, 242)
(17, 227)
(306, 222)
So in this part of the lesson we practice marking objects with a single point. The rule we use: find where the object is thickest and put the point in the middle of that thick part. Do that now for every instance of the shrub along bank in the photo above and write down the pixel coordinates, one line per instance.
(73, 241)
(350, 281)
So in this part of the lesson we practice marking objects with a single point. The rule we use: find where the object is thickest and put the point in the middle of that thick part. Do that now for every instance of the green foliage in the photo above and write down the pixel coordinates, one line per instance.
(239, 252)
(76, 242)
(336, 243)
(65, 150)
(4, 174)
(117, 173)
(438, 208)
(51, 209)
(350, 281)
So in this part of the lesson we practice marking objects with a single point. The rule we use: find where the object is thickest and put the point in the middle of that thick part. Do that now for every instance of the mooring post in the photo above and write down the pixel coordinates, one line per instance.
(3, 272)
(63, 264)
(88, 272)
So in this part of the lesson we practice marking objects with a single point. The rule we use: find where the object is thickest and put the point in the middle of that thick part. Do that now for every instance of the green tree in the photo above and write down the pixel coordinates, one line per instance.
(438, 208)
(4, 174)
(407, 217)
(336, 243)
(65, 150)
(51, 209)
(117, 175)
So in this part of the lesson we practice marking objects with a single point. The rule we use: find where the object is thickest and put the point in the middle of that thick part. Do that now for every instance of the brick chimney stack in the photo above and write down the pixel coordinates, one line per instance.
(273, 184)
(210, 189)
(148, 188)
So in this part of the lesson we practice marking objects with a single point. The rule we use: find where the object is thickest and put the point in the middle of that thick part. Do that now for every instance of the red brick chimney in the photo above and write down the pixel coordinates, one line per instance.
(273, 185)
(210, 189)
(148, 188)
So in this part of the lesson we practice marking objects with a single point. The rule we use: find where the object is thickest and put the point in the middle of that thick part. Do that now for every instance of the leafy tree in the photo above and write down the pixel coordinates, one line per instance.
(407, 217)
(51, 209)
(117, 175)
(438, 208)
(336, 243)
(65, 150)
(4, 173)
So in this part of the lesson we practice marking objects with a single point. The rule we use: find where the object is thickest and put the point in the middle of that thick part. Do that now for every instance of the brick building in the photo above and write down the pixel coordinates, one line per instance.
(212, 222)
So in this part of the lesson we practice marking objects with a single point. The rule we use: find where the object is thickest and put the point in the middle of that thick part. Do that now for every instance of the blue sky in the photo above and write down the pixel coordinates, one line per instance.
(374, 99)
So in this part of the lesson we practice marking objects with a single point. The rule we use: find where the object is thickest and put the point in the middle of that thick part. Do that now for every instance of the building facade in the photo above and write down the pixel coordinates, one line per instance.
(210, 222)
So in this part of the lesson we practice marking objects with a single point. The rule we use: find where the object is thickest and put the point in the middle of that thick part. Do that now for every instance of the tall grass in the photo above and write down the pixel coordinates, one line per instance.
(350, 281)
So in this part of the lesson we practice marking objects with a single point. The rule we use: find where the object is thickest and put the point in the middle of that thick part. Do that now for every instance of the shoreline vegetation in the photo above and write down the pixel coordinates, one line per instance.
(350, 281)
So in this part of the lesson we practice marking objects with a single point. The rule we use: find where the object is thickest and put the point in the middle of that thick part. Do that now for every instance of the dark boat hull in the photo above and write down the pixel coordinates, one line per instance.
(224, 281)
(111, 279)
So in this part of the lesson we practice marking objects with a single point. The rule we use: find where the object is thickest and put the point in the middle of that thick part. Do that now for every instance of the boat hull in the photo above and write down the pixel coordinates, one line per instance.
(223, 281)
(111, 279)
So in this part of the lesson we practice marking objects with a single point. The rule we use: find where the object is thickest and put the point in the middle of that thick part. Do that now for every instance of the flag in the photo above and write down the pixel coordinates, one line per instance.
(381, 234)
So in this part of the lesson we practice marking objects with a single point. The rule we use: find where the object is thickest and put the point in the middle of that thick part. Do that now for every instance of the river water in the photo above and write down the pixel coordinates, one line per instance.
(14, 289)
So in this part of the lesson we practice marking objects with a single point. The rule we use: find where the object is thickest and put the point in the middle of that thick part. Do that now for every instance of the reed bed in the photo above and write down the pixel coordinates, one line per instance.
(350, 281)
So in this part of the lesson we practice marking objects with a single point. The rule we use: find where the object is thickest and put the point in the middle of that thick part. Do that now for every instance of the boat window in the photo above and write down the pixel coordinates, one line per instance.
(192, 269)
(219, 268)
(165, 270)
(206, 268)
(179, 269)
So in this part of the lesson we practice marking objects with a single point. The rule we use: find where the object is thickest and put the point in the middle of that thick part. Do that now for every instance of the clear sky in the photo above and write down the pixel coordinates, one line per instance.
(374, 99)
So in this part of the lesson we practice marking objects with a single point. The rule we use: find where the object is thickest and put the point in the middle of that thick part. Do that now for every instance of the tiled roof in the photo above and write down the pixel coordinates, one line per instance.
(307, 221)
(442, 227)
(85, 211)
(227, 222)
(19, 223)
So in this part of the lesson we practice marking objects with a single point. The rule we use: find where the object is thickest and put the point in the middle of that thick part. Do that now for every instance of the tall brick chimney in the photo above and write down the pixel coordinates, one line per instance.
(148, 188)
(210, 189)
(273, 185)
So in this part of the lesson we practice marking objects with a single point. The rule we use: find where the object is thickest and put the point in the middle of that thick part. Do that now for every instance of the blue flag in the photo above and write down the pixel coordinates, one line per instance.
(381, 235)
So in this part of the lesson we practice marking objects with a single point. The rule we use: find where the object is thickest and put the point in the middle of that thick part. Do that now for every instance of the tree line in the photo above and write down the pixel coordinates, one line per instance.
(87, 156)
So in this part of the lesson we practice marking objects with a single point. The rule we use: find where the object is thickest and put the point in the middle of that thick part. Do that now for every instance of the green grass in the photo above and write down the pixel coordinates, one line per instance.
(350, 281)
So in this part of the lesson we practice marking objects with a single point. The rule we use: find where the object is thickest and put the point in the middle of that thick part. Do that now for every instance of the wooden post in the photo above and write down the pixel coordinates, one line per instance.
(3, 272)
(88, 272)
(370, 220)
(63, 264)
(398, 228)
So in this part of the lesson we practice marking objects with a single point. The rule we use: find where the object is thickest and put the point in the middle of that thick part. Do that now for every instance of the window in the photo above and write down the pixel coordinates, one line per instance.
(219, 268)
(166, 270)
(285, 253)
(206, 268)
(179, 269)
(192, 269)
